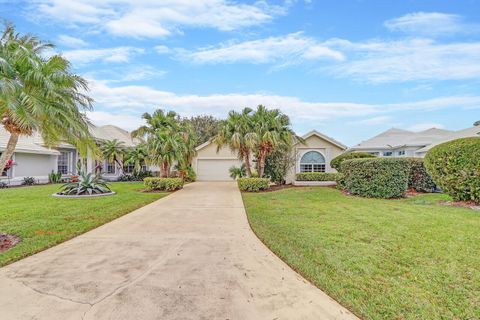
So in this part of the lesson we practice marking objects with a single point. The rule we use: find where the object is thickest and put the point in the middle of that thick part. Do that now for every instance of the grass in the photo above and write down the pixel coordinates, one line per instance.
(382, 259)
(43, 221)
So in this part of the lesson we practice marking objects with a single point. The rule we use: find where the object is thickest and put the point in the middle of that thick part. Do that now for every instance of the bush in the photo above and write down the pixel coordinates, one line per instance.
(55, 177)
(455, 168)
(253, 184)
(316, 176)
(28, 181)
(86, 184)
(139, 176)
(376, 178)
(336, 162)
(419, 179)
(3, 185)
(163, 184)
(191, 175)
(340, 179)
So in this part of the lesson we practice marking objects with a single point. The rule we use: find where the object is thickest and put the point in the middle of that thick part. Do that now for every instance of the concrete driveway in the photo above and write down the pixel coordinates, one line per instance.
(190, 255)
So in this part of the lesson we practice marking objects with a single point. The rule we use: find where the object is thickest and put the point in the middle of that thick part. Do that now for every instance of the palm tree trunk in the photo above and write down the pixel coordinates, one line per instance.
(247, 164)
(164, 170)
(8, 153)
(261, 164)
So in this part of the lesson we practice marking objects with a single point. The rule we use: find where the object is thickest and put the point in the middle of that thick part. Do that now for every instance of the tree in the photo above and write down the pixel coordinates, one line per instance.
(236, 172)
(164, 148)
(237, 132)
(279, 162)
(476, 123)
(204, 127)
(40, 94)
(137, 156)
(113, 151)
(271, 130)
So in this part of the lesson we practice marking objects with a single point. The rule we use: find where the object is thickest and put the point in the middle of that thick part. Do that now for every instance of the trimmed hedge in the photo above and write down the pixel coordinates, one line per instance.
(376, 178)
(419, 179)
(455, 168)
(316, 176)
(336, 162)
(163, 184)
(253, 184)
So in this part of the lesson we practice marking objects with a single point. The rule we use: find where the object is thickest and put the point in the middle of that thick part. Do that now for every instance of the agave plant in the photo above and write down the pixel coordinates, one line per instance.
(86, 184)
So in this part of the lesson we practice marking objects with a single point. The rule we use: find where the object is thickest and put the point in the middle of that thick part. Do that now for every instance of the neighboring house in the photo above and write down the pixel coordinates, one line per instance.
(313, 155)
(33, 159)
(402, 143)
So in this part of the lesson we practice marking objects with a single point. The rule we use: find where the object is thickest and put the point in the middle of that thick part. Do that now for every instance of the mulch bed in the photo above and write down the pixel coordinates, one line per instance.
(8, 241)
(461, 204)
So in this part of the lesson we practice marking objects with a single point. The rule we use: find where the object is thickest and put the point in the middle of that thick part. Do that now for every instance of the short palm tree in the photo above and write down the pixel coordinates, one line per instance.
(40, 94)
(237, 132)
(113, 151)
(164, 149)
(137, 156)
(271, 130)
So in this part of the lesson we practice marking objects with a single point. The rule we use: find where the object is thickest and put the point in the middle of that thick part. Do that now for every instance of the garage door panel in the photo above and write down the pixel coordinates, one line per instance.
(215, 169)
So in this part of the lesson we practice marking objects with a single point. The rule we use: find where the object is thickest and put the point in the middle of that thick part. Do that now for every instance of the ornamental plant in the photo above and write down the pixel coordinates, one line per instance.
(86, 184)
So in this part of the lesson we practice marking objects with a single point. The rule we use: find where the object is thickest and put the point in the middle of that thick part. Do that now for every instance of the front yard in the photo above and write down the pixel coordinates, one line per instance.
(382, 259)
(43, 221)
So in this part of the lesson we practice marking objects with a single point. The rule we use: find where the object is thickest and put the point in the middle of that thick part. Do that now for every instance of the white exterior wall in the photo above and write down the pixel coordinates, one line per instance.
(38, 166)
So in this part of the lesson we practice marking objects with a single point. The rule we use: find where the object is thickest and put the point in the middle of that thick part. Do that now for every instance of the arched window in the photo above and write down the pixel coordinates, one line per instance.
(312, 161)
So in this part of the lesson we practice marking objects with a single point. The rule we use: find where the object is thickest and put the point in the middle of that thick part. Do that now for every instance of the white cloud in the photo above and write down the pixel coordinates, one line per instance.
(425, 126)
(430, 24)
(71, 42)
(289, 49)
(115, 55)
(162, 49)
(382, 120)
(407, 60)
(131, 100)
(145, 18)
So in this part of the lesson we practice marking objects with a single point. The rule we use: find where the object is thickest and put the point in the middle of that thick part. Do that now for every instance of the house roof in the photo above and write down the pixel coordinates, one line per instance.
(396, 138)
(35, 144)
(465, 133)
(26, 144)
(324, 137)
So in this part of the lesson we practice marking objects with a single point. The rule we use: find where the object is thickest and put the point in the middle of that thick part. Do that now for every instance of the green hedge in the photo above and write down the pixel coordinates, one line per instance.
(455, 168)
(253, 184)
(336, 162)
(419, 179)
(376, 178)
(316, 176)
(163, 184)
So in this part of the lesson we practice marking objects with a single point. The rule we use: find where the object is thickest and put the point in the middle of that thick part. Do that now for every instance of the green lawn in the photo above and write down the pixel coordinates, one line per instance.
(43, 221)
(382, 259)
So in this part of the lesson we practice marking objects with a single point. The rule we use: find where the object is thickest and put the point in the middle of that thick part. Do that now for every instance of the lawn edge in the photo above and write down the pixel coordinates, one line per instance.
(288, 264)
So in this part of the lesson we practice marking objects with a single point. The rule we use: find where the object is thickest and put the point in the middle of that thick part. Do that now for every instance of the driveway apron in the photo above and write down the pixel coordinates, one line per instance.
(191, 255)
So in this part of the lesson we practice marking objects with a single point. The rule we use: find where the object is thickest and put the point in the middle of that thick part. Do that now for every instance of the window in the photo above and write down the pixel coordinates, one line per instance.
(387, 153)
(110, 167)
(401, 152)
(312, 161)
(63, 162)
(129, 168)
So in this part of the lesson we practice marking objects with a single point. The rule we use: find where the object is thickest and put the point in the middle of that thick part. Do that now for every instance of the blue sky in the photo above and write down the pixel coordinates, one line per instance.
(349, 69)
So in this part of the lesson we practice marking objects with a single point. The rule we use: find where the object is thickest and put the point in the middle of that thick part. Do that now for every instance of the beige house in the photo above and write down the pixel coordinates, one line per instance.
(314, 155)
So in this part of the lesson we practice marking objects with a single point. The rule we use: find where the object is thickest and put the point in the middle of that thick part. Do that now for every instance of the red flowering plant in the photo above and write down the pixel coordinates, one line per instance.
(9, 165)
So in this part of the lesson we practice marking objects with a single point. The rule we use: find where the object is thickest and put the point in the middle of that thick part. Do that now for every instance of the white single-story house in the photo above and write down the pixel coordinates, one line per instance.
(33, 159)
(313, 155)
(403, 143)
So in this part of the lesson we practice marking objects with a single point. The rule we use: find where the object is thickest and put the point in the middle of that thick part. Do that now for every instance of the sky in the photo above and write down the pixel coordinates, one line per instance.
(349, 69)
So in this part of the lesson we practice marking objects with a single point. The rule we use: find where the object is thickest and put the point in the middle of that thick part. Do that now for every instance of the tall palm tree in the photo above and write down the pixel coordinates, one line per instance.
(137, 156)
(271, 130)
(237, 132)
(164, 149)
(159, 120)
(40, 94)
(113, 151)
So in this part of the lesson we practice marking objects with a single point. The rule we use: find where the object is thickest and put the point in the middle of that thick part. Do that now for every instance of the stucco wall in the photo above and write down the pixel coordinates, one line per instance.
(314, 143)
(210, 152)
(34, 164)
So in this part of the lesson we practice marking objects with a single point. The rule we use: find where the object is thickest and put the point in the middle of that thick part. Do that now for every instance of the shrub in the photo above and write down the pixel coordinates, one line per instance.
(139, 176)
(55, 177)
(455, 168)
(3, 185)
(336, 162)
(236, 172)
(376, 178)
(191, 175)
(253, 184)
(278, 164)
(163, 184)
(28, 181)
(419, 179)
(86, 184)
(316, 176)
(340, 179)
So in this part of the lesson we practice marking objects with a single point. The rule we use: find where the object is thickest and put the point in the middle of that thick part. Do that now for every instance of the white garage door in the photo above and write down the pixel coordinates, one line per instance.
(215, 169)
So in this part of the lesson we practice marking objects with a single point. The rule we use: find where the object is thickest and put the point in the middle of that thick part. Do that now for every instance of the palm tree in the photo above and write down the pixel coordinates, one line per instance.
(236, 132)
(271, 130)
(159, 120)
(137, 156)
(113, 151)
(39, 94)
(164, 149)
